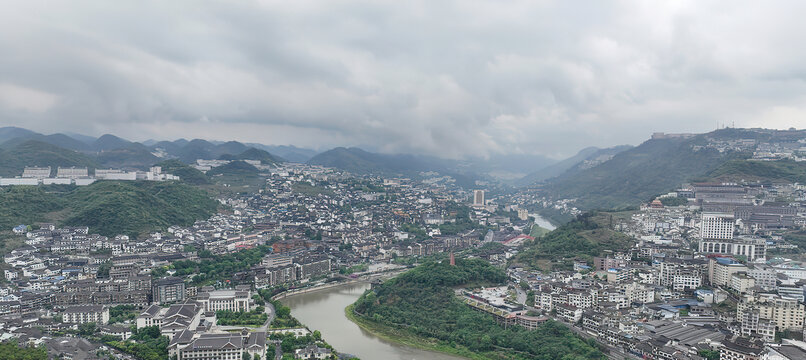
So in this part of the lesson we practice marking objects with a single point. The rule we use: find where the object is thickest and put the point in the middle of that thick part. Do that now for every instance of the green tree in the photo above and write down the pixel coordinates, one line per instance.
(87, 329)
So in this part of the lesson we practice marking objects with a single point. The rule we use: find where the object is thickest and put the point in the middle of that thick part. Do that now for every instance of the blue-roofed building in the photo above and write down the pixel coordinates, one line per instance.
(721, 269)
(20, 229)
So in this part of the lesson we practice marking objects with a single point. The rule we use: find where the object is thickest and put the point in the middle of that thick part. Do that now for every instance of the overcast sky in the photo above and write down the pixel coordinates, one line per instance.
(448, 78)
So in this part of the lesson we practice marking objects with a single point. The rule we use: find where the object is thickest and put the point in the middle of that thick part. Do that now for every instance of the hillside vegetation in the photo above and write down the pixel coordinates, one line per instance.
(636, 175)
(570, 164)
(263, 156)
(420, 305)
(107, 207)
(185, 172)
(234, 168)
(583, 238)
(764, 171)
(15, 158)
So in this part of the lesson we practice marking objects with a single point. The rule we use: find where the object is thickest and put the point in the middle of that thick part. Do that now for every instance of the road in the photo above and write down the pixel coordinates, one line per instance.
(269, 309)
(278, 350)
(521, 298)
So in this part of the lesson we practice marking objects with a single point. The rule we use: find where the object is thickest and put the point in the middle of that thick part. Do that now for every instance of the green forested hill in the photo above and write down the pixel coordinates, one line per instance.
(29, 204)
(185, 172)
(237, 167)
(107, 207)
(253, 154)
(764, 171)
(131, 156)
(635, 175)
(585, 237)
(421, 303)
(16, 157)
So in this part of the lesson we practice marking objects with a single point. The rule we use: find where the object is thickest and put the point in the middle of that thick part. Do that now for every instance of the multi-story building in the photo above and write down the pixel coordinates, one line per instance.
(619, 275)
(752, 325)
(71, 172)
(785, 313)
(187, 345)
(581, 299)
(274, 260)
(173, 319)
(311, 266)
(170, 289)
(638, 293)
(719, 226)
(478, 197)
(741, 349)
(36, 172)
(681, 275)
(791, 290)
(605, 263)
(82, 314)
(720, 270)
(232, 300)
(751, 248)
(764, 276)
(568, 313)
(741, 282)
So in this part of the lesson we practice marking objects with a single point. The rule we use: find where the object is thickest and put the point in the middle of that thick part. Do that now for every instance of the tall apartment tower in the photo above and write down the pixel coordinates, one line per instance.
(717, 226)
(478, 197)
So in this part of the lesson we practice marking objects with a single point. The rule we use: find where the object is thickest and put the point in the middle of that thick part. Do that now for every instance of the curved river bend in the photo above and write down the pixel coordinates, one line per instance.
(324, 311)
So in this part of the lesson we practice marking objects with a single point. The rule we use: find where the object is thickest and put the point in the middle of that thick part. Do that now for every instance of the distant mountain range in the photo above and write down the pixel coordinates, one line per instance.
(497, 168)
(598, 178)
(21, 147)
(589, 155)
(113, 151)
(362, 162)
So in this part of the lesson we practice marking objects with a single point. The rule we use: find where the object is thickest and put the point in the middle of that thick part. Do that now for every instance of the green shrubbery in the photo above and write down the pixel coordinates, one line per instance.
(11, 351)
(255, 317)
(219, 267)
(145, 344)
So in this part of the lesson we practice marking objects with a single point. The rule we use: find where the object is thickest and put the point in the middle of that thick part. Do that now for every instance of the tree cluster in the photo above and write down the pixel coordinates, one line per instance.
(145, 344)
(255, 317)
(422, 302)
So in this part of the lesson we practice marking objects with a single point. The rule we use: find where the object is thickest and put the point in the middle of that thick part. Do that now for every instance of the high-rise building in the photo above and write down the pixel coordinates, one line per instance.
(717, 226)
(478, 197)
(720, 270)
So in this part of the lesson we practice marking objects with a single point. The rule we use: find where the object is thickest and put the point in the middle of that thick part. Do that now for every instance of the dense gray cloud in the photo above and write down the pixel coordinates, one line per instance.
(448, 78)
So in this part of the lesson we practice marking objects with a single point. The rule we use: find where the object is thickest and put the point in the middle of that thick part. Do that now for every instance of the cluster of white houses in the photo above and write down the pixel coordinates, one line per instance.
(80, 176)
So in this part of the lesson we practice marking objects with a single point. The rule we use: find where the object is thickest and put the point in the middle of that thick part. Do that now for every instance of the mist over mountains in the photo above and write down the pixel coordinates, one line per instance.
(612, 177)
(112, 151)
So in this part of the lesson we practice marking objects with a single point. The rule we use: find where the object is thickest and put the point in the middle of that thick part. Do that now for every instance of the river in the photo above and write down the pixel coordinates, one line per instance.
(324, 311)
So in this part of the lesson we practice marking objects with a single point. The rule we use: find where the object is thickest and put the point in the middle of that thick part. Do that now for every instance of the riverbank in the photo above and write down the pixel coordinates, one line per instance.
(403, 337)
(325, 286)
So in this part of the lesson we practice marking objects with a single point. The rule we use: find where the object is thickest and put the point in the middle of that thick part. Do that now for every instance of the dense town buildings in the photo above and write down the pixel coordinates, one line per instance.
(666, 296)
